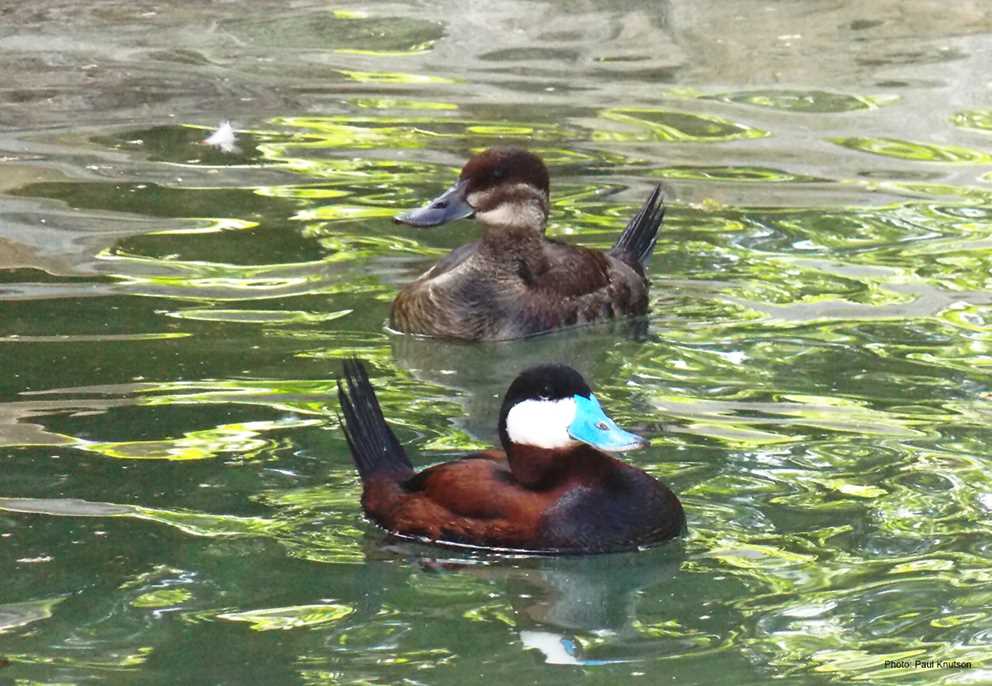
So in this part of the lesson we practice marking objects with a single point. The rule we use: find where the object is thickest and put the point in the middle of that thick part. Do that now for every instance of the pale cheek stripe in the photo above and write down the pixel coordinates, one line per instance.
(515, 212)
(512, 214)
(541, 423)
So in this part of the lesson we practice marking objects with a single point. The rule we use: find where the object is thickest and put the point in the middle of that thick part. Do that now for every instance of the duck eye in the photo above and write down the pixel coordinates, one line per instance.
(602, 426)
(499, 173)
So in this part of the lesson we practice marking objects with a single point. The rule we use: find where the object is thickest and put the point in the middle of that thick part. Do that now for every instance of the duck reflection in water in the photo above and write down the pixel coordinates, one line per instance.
(550, 595)
(574, 610)
(479, 372)
(587, 343)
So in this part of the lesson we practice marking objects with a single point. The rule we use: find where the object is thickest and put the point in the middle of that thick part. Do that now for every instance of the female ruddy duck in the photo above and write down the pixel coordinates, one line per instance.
(515, 282)
(550, 490)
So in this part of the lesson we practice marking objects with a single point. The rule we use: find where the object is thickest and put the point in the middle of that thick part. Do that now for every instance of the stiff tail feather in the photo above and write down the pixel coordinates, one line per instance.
(374, 447)
(638, 239)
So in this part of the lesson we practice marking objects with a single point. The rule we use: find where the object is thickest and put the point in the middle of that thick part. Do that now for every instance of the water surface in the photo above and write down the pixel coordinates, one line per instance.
(178, 502)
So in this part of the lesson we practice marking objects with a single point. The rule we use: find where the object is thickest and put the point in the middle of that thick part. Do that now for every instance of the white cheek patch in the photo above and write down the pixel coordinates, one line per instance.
(541, 423)
(478, 198)
(529, 209)
(512, 214)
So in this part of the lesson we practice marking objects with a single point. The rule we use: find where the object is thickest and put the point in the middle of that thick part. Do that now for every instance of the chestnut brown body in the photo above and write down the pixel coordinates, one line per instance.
(580, 502)
(564, 496)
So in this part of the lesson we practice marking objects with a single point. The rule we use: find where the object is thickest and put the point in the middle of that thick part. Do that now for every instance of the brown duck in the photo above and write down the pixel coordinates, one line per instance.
(514, 281)
(553, 488)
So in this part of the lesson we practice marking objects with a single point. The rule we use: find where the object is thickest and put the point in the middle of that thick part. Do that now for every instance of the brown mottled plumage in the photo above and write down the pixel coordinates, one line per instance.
(515, 282)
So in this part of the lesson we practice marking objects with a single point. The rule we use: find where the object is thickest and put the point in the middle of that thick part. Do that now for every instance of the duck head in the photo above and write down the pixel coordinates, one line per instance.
(499, 187)
(551, 408)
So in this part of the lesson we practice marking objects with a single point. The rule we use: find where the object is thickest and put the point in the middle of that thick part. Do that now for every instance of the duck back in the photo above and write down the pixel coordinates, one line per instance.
(498, 289)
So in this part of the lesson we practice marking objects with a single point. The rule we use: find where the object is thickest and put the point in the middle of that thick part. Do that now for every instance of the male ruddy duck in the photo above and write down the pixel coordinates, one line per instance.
(550, 490)
(515, 282)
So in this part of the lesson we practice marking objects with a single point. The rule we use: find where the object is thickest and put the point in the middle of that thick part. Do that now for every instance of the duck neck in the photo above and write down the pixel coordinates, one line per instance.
(515, 249)
(535, 467)
(511, 237)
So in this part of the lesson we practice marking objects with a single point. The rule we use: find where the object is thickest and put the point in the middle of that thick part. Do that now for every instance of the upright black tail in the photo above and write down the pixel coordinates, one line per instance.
(373, 445)
(637, 240)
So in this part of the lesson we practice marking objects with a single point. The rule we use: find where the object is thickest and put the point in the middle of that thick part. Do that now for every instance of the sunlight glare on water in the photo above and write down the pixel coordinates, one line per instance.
(179, 504)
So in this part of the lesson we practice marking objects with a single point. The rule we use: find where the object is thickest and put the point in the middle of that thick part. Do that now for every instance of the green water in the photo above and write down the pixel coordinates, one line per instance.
(178, 504)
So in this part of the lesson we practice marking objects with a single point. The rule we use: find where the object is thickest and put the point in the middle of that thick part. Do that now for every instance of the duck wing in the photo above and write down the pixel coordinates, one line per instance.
(580, 286)
(473, 501)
